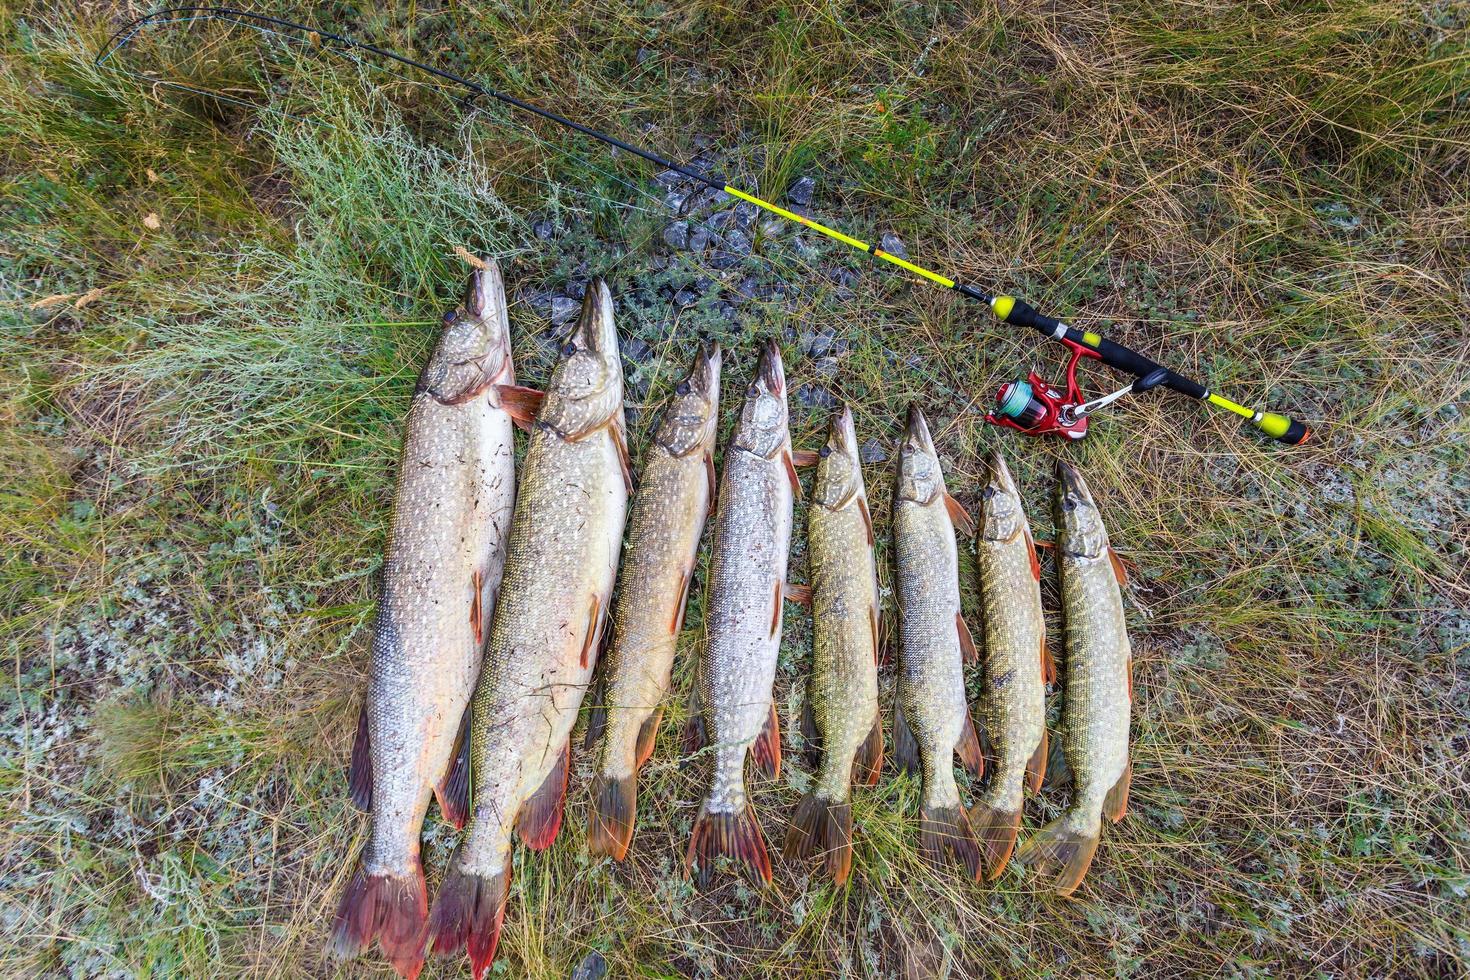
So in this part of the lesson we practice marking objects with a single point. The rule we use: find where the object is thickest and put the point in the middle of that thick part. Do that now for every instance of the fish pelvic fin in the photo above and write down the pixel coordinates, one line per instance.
(822, 827)
(614, 809)
(735, 835)
(453, 791)
(868, 762)
(468, 913)
(1115, 804)
(766, 749)
(1060, 855)
(539, 819)
(391, 909)
(945, 834)
(798, 593)
(360, 770)
(996, 831)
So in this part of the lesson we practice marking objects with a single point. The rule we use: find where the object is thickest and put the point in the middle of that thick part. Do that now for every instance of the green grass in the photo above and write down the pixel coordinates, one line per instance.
(201, 421)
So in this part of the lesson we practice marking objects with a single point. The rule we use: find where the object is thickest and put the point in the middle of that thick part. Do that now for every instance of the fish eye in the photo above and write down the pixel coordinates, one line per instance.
(682, 388)
(569, 348)
(1069, 503)
(987, 493)
(753, 391)
(824, 452)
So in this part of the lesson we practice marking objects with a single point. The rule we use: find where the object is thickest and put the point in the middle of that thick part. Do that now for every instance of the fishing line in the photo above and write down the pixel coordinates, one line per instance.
(1032, 405)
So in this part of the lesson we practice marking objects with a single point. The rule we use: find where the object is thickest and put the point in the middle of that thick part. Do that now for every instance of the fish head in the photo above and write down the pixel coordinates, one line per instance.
(920, 478)
(586, 387)
(690, 421)
(762, 428)
(473, 350)
(839, 469)
(1079, 525)
(1001, 514)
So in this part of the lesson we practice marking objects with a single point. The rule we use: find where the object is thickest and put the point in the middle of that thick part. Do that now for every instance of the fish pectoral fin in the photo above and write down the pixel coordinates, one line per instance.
(1036, 767)
(522, 404)
(867, 517)
(968, 748)
(810, 734)
(1115, 804)
(905, 746)
(963, 522)
(868, 762)
(791, 474)
(625, 460)
(453, 791)
(968, 653)
(1031, 554)
(798, 593)
(360, 770)
(677, 623)
(766, 749)
(803, 458)
(1120, 570)
(539, 818)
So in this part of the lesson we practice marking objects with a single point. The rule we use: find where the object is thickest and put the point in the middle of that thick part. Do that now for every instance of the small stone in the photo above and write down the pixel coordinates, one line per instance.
(738, 242)
(635, 350)
(813, 397)
(564, 309)
(722, 258)
(592, 967)
(819, 344)
(729, 312)
(676, 235)
(745, 216)
(703, 284)
(576, 289)
(801, 190)
(893, 245)
(668, 177)
(872, 451)
(772, 227)
(698, 238)
(686, 297)
(720, 219)
(825, 366)
(543, 229)
(644, 54)
(675, 200)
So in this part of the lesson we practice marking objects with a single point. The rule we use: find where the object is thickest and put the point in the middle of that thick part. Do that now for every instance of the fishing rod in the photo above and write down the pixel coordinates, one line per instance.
(1029, 405)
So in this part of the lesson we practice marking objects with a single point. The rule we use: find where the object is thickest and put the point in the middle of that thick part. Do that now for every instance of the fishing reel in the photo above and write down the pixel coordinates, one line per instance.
(1033, 407)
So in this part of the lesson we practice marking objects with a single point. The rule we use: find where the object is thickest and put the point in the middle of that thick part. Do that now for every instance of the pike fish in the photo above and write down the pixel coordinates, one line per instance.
(932, 721)
(1098, 690)
(842, 698)
(743, 622)
(1017, 664)
(441, 575)
(675, 489)
(561, 560)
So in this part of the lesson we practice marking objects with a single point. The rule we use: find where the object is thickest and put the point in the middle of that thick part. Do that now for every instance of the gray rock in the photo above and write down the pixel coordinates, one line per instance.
(698, 238)
(675, 200)
(813, 397)
(686, 296)
(720, 220)
(819, 343)
(825, 366)
(645, 54)
(669, 178)
(592, 967)
(745, 213)
(893, 245)
(871, 451)
(703, 284)
(738, 242)
(772, 227)
(576, 289)
(676, 235)
(722, 258)
(801, 190)
(729, 312)
(635, 350)
(564, 309)
(543, 229)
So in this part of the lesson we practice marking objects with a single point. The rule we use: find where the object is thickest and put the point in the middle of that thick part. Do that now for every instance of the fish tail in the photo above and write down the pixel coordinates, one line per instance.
(468, 913)
(944, 830)
(733, 834)
(1061, 854)
(393, 909)
(996, 830)
(614, 807)
(822, 826)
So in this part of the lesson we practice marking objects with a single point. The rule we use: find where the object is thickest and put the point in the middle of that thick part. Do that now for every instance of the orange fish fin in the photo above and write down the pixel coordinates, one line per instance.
(592, 639)
(392, 910)
(1031, 553)
(695, 735)
(868, 762)
(453, 791)
(798, 593)
(647, 734)
(945, 832)
(968, 653)
(625, 461)
(360, 770)
(873, 627)
(867, 518)
(1036, 767)
(996, 831)
(1115, 804)
(905, 746)
(522, 404)
(791, 475)
(776, 611)
(822, 827)
(709, 474)
(468, 914)
(1044, 545)
(677, 622)
(611, 816)
(1048, 665)
(734, 835)
(811, 735)
(766, 750)
(539, 819)
(477, 607)
(963, 522)
(1060, 855)
(802, 458)
(1120, 572)
(1130, 680)
(968, 748)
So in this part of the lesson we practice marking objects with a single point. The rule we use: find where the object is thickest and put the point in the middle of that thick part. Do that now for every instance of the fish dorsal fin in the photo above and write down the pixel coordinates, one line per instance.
(360, 770)
(963, 522)
(522, 404)
(810, 734)
(791, 473)
(1120, 572)
(453, 791)
(802, 458)
(593, 636)
(1036, 768)
(647, 734)
(1031, 553)
(968, 653)
(867, 517)
(539, 818)
(968, 748)
(798, 593)
(1048, 665)
(766, 750)
(869, 759)
(677, 622)
(905, 746)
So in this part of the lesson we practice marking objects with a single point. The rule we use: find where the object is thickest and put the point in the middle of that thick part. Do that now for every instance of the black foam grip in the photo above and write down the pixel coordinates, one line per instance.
(1023, 314)
(1295, 434)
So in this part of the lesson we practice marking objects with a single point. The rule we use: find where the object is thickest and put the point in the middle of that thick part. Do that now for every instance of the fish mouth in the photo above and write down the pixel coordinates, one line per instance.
(705, 373)
(770, 369)
(842, 434)
(484, 291)
(595, 329)
(1070, 482)
(1000, 474)
(916, 433)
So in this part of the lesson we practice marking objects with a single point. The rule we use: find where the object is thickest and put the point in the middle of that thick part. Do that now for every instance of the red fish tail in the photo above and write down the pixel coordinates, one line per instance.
(391, 909)
(468, 914)
(823, 827)
(735, 835)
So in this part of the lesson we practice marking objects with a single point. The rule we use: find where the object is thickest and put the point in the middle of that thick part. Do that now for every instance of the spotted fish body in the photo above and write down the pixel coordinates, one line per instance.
(1017, 665)
(842, 696)
(932, 722)
(562, 558)
(743, 622)
(441, 575)
(1098, 691)
(675, 488)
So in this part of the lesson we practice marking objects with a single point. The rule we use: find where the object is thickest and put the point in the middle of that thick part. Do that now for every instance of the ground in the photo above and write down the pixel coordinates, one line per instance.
(215, 305)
